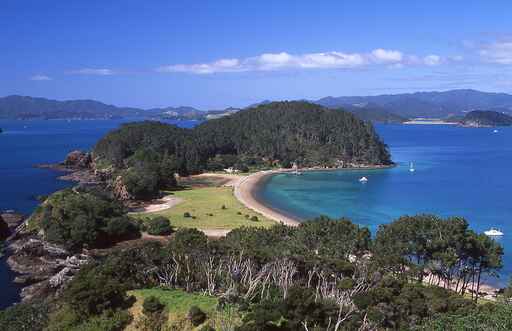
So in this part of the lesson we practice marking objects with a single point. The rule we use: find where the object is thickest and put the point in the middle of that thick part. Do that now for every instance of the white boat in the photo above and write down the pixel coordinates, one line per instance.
(493, 232)
(363, 179)
(495, 131)
(411, 167)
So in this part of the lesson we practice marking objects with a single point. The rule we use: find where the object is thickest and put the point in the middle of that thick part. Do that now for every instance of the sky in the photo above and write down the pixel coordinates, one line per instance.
(215, 54)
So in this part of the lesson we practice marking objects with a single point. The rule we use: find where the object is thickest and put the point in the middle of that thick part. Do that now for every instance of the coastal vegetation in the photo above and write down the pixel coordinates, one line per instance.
(146, 155)
(419, 272)
(83, 218)
(479, 118)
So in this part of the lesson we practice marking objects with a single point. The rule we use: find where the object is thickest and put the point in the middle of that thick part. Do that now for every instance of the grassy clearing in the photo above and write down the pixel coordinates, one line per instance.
(205, 208)
(177, 304)
(177, 301)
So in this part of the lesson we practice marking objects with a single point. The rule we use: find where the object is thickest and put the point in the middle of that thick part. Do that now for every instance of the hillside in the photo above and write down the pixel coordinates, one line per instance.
(276, 134)
(373, 113)
(427, 104)
(22, 107)
(480, 118)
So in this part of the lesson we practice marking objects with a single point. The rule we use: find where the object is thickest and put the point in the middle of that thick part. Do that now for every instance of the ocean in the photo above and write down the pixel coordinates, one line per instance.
(24, 144)
(458, 172)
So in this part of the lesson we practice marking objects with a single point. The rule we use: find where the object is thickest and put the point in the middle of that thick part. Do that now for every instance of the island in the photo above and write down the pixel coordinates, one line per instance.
(162, 235)
(480, 118)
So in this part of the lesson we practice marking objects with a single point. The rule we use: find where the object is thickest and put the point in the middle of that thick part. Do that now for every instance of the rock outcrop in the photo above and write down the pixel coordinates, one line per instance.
(44, 268)
(78, 160)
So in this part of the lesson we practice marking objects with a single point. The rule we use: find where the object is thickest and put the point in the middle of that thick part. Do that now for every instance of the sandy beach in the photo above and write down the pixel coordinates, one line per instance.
(244, 192)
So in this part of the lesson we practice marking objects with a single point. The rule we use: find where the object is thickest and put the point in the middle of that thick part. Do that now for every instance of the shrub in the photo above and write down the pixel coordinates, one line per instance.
(239, 213)
(159, 226)
(121, 228)
(247, 216)
(76, 219)
(255, 219)
(186, 214)
(91, 292)
(189, 240)
(223, 207)
(196, 316)
(152, 305)
(24, 317)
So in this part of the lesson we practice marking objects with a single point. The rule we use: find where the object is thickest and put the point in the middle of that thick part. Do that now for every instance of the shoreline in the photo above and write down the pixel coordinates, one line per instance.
(245, 192)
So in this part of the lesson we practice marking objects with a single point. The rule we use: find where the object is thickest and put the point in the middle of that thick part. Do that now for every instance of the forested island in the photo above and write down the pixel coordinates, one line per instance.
(143, 157)
(90, 262)
(480, 118)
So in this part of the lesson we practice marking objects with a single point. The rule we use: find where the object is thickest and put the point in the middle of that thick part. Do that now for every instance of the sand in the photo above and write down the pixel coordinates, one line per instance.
(244, 191)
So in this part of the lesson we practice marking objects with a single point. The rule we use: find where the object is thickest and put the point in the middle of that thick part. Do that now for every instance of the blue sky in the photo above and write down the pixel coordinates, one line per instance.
(214, 54)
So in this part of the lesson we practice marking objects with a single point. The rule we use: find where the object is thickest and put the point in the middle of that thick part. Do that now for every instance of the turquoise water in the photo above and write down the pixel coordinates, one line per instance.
(24, 144)
(459, 172)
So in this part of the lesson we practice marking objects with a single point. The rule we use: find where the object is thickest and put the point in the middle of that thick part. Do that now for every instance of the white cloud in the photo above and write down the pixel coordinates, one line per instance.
(387, 56)
(497, 52)
(92, 71)
(40, 77)
(324, 60)
(432, 60)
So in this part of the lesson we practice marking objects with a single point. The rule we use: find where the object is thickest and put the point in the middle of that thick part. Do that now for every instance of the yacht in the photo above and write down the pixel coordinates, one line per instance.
(363, 179)
(411, 167)
(495, 131)
(493, 232)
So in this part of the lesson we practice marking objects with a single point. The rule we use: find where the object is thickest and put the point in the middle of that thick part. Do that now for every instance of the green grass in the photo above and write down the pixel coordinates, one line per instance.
(177, 304)
(202, 203)
(177, 301)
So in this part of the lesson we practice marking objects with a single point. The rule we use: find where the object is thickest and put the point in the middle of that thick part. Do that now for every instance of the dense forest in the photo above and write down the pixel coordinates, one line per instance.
(147, 154)
(417, 273)
(486, 118)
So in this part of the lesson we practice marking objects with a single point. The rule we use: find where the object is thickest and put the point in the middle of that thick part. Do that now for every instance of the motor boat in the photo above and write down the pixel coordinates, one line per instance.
(363, 179)
(493, 232)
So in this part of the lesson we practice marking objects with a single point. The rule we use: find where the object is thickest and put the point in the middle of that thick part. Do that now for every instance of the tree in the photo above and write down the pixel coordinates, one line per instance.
(159, 226)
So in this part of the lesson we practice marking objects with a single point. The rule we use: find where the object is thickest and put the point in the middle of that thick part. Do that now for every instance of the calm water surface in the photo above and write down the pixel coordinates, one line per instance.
(459, 172)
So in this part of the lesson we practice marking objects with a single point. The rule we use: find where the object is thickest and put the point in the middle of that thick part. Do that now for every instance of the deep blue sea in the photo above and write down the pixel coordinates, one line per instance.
(24, 144)
(459, 172)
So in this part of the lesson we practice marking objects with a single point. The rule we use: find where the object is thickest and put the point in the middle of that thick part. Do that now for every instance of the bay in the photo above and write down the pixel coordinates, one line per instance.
(459, 172)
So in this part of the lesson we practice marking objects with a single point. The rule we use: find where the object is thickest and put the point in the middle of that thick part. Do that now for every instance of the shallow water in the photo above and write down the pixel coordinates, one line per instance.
(459, 172)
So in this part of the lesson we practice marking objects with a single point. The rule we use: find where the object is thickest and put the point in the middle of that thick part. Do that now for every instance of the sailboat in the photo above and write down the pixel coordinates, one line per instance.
(411, 167)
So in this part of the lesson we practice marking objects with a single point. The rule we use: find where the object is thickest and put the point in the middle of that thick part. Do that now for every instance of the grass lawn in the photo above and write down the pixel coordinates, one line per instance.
(177, 304)
(205, 204)
(178, 301)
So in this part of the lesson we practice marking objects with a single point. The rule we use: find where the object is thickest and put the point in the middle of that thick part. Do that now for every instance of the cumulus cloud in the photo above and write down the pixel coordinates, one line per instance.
(497, 52)
(40, 77)
(92, 71)
(324, 60)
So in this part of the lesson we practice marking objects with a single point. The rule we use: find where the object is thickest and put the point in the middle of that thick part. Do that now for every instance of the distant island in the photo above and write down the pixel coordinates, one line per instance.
(397, 108)
(481, 118)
